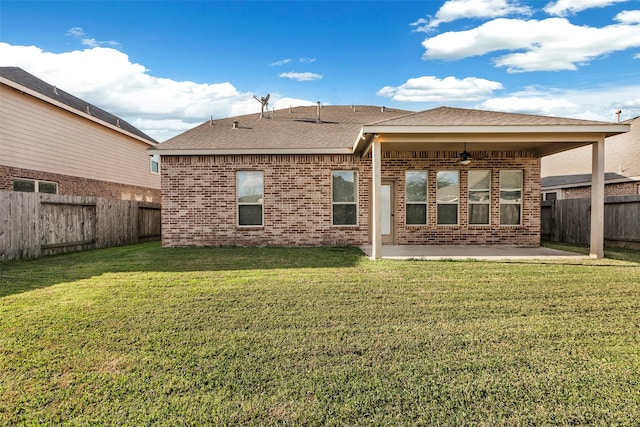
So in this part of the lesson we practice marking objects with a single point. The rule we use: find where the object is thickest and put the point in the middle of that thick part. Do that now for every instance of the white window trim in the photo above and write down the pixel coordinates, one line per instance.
(444, 203)
(155, 158)
(238, 203)
(488, 202)
(426, 199)
(36, 184)
(500, 202)
(357, 196)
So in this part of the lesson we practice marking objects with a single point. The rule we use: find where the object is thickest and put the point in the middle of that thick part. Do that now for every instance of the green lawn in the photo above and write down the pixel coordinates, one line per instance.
(140, 335)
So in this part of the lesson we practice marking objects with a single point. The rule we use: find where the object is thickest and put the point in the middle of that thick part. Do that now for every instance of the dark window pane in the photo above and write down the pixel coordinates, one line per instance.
(479, 214)
(510, 214)
(48, 187)
(551, 196)
(447, 214)
(24, 185)
(250, 215)
(344, 214)
(416, 214)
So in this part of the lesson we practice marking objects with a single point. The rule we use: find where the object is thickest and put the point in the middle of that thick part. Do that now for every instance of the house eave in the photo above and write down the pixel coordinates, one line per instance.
(248, 151)
(65, 107)
(609, 129)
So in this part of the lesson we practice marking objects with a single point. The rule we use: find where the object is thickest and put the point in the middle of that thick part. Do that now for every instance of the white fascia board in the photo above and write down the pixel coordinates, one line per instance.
(72, 110)
(273, 151)
(609, 129)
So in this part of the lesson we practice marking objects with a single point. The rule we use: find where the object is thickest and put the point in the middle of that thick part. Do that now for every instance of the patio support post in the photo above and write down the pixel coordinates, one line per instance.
(376, 217)
(597, 200)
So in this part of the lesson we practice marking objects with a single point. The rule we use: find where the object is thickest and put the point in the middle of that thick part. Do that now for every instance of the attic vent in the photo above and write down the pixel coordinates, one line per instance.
(118, 122)
(618, 115)
(55, 90)
(88, 111)
(290, 110)
(353, 107)
(318, 116)
(236, 124)
(382, 109)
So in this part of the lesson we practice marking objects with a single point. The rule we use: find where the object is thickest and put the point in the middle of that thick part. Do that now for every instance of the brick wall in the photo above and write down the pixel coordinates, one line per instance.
(80, 186)
(617, 189)
(199, 200)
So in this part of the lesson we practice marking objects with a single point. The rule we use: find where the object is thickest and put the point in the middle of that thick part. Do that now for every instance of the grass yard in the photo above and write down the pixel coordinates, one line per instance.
(140, 335)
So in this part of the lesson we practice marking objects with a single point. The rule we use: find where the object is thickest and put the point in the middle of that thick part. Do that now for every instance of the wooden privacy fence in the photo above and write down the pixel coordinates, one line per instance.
(569, 221)
(36, 224)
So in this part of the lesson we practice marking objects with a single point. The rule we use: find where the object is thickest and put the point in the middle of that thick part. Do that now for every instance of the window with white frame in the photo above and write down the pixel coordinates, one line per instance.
(416, 197)
(447, 197)
(344, 190)
(250, 192)
(155, 163)
(35, 186)
(479, 196)
(510, 197)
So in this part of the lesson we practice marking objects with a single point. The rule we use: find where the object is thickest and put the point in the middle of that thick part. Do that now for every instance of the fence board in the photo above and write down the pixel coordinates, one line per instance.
(569, 221)
(34, 224)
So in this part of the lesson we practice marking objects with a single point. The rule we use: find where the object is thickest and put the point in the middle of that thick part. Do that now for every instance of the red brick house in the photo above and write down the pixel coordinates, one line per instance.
(341, 175)
(567, 175)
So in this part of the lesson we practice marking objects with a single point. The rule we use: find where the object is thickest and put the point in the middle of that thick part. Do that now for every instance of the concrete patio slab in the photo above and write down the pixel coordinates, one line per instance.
(440, 252)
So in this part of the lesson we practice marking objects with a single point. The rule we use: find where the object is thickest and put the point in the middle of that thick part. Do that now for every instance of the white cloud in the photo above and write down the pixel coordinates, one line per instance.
(433, 89)
(79, 33)
(301, 77)
(593, 104)
(629, 17)
(549, 44)
(453, 10)
(108, 79)
(280, 62)
(307, 60)
(568, 7)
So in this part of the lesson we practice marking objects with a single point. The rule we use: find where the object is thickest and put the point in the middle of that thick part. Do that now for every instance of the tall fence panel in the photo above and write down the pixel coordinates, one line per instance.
(34, 224)
(569, 221)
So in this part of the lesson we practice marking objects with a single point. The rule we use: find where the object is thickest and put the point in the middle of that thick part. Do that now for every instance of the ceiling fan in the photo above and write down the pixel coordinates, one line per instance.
(465, 157)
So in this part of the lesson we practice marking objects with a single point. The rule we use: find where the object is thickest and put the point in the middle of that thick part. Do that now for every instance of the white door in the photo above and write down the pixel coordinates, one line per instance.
(388, 214)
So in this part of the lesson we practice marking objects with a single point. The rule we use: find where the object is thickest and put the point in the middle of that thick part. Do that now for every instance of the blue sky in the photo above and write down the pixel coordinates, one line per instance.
(167, 66)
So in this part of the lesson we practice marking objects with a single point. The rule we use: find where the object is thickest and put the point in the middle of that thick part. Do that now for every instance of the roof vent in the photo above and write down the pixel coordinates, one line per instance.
(353, 107)
(118, 122)
(236, 124)
(55, 90)
(618, 115)
(318, 116)
(382, 109)
(290, 110)
(88, 111)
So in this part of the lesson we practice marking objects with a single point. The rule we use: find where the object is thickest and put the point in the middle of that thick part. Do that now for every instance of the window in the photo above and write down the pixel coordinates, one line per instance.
(250, 189)
(447, 197)
(344, 197)
(34, 185)
(510, 197)
(416, 197)
(155, 163)
(479, 196)
(551, 195)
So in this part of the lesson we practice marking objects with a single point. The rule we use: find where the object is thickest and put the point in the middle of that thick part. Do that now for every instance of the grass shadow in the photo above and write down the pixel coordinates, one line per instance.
(25, 275)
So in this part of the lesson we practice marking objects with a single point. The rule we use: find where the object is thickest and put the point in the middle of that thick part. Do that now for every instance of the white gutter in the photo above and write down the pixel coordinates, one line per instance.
(157, 149)
(64, 106)
(613, 128)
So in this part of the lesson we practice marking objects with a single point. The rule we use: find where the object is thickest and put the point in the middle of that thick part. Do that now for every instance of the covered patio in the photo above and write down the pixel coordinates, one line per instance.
(481, 134)
(475, 252)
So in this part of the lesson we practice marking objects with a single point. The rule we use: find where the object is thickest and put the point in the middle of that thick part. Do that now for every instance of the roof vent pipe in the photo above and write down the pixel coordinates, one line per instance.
(318, 116)
(236, 124)
(382, 109)
(618, 114)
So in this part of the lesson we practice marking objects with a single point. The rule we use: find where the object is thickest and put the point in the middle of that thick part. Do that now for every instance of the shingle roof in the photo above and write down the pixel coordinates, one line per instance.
(23, 78)
(448, 116)
(578, 180)
(294, 128)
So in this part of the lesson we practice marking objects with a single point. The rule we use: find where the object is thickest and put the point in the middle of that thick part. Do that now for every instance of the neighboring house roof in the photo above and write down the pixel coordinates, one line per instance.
(573, 168)
(288, 129)
(344, 129)
(22, 80)
(580, 180)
